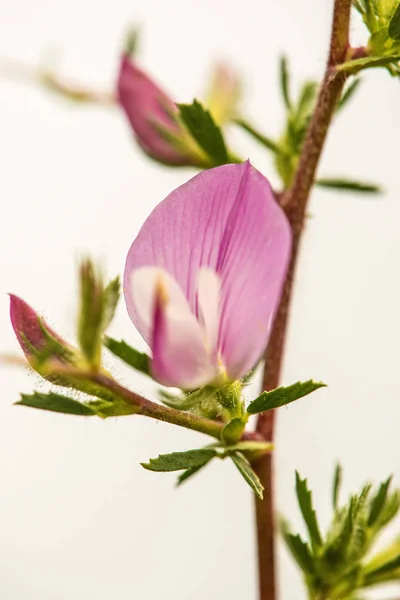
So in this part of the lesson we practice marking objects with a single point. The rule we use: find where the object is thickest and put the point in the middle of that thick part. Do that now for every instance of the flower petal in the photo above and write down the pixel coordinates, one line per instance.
(180, 356)
(228, 220)
(208, 299)
(148, 107)
(253, 260)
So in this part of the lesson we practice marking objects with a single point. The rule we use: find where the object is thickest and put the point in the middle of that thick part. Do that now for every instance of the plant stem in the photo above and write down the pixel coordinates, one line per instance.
(153, 410)
(295, 202)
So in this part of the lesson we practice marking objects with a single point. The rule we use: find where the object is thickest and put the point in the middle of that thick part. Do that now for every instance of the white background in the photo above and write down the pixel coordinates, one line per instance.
(79, 517)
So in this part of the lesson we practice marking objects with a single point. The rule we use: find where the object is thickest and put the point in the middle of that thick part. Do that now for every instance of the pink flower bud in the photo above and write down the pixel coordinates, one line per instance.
(153, 117)
(34, 335)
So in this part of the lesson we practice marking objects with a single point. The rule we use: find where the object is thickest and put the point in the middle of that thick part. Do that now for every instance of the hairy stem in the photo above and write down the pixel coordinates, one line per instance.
(295, 202)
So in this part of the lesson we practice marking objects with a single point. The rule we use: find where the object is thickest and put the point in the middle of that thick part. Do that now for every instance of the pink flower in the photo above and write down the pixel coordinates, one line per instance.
(203, 278)
(33, 334)
(154, 118)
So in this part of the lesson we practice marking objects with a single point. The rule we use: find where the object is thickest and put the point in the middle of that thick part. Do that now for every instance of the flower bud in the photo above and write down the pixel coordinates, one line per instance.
(37, 340)
(153, 117)
(223, 94)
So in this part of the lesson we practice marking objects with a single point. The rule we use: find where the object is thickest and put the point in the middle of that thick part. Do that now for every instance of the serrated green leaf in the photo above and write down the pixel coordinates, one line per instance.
(337, 480)
(304, 497)
(232, 432)
(282, 396)
(260, 137)
(189, 473)
(56, 403)
(348, 185)
(348, 94)
(204, 130)
(394, 25)
(378, 502)
(284, 79)
(300, 552)
(135, 359)
(177, 461)
(111, 294)
(248, 474)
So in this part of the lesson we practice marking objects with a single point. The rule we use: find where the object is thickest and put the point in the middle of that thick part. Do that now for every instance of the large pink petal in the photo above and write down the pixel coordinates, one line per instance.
(147, 107)
(227, 219)
(252, 263)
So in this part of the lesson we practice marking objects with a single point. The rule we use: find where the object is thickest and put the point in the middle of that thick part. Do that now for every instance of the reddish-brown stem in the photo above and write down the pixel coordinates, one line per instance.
(295, 201)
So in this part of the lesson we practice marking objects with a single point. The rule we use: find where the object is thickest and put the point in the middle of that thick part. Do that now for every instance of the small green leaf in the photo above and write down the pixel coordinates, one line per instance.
(394, 25)
(56, 403)
(260, 137)
(284, 79)
(353, 66)
(248, 474)
(282, 396)
(378, 502)
(336, 486)
(348, 94)
(306, 102)
(90, 312)
(386, 569)
(111, 294)
(189, 473)
(304, 497)
(250, 446)
(135, 359)
(203, 129)
(390, 509)
(349, 185)
(232, 432)
(178, 461)
(300, 552)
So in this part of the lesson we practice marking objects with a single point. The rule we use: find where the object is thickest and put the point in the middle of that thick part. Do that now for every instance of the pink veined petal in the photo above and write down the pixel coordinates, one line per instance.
(208, 301)
(225, 219)
(147, 106)
(252, 263)
(180, 356)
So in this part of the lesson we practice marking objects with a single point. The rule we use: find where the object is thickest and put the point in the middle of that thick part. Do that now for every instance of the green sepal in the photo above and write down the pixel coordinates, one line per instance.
(248, 473)
(304, 497)
(232, 432)
(282, 396)
(204, 131)
(132, 41)
(139, 361)
(56, 403)
(97, 307)
(111, 295)
(178, 461)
